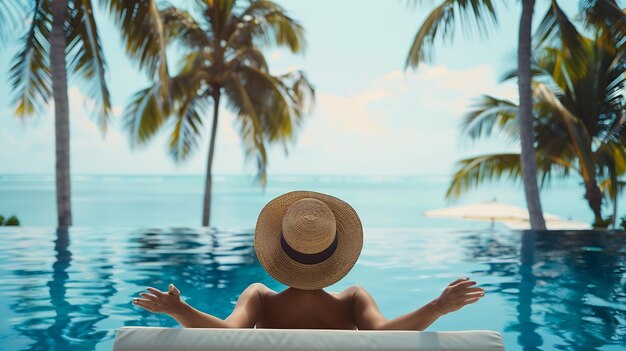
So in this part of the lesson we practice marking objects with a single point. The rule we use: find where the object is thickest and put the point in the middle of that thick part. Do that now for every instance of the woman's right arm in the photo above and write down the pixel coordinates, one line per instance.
(245, 314)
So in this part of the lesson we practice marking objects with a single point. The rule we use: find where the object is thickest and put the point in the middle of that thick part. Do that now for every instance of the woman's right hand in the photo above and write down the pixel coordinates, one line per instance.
(458, 294)
(160, 302)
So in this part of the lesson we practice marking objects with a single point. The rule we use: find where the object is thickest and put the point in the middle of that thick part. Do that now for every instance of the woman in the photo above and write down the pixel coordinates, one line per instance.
(308, 241)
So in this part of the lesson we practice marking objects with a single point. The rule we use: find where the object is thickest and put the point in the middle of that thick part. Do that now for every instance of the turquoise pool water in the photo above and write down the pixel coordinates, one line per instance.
(71, 290)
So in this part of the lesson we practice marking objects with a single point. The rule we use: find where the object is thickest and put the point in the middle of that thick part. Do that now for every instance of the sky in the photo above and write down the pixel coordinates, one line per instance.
(371, 117)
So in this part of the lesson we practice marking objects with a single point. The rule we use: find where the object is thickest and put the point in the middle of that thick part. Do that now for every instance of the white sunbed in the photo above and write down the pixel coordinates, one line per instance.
(196, 339)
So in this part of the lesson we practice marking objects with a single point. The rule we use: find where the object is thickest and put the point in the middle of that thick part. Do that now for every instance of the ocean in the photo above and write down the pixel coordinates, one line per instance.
(176, 201)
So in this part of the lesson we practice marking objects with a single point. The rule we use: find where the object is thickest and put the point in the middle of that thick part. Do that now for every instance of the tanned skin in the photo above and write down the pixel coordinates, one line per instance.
(353, 308)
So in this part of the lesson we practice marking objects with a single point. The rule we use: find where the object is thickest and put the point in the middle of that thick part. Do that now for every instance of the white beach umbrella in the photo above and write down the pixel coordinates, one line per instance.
(513, 217)
(551, 224)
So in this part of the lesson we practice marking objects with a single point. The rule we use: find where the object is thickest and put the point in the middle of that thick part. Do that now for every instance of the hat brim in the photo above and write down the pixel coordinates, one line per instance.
(307, 276)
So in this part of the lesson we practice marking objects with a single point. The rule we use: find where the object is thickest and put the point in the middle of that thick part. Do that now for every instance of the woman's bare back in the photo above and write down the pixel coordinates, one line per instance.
(306, 309)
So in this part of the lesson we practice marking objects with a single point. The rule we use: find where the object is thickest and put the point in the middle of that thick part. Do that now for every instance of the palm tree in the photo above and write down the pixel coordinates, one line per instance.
(62, 38)
(482, 15)
(579, 117)
(223, 61)
(59, 30)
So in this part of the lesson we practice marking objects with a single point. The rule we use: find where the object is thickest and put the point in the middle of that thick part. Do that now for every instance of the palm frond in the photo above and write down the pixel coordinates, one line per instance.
(188, 125)
(267, 22)
(181, 25)
(577, 132)
(218, 15)
(299, 89)
(87, 61)
(188, 99)
(252, 132)
(278, 29)
(143, 34)
(488, 114)
(545, 67)
(441, 22)
(605, 16)
(611, 158)
(247, 56)
(612, 151)
(194, 61)
(612, 102)
(279, 109)
(473, 171)
(555, 27)
(269, 109)
(145, 114)
(30, 73)
(11, 12)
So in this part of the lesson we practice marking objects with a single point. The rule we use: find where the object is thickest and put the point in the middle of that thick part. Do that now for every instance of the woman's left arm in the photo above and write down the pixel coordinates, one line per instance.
(457, 294)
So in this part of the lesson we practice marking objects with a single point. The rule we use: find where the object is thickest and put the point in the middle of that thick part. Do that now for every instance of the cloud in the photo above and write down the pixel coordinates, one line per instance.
(402, 123)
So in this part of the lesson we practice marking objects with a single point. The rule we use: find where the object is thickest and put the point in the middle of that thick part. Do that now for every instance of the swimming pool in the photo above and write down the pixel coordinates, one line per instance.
(70, 290)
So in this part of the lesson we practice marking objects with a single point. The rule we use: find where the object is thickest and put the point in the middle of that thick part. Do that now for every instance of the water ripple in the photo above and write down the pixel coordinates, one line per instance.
(63, 290)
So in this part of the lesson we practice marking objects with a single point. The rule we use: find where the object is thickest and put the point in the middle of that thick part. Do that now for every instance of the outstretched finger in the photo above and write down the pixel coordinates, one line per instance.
(472, 295)
(470, 301)
(458, 281)
(462, 285)
(468, 290)
(146, 301)
(149, 296)
(156, 292)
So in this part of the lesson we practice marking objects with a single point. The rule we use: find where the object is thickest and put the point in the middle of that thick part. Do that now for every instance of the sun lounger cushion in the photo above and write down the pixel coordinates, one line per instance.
(160, 339)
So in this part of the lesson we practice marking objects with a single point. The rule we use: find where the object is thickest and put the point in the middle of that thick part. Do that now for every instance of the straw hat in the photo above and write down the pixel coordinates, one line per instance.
(308, 240)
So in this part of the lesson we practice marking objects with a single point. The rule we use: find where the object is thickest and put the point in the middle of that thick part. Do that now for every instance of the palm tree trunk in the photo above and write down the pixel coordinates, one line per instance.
(527, 136)
(61, 113)
(206, 213)
(615, 195)
(614, 217)
(593, 195)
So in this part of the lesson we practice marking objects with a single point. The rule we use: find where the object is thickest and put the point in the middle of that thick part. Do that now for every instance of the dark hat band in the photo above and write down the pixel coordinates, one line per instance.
(308, 258)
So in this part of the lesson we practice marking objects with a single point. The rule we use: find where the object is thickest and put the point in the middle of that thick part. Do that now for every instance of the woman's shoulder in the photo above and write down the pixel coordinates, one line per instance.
(354, 289)
(260, 288)
(351, 291)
